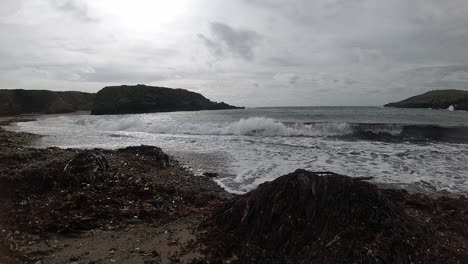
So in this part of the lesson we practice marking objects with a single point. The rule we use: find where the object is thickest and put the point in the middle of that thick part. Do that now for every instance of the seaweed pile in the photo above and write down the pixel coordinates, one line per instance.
(307, 217)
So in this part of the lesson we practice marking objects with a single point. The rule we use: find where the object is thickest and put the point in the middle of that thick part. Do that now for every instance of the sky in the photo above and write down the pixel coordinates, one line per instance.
(244, 52)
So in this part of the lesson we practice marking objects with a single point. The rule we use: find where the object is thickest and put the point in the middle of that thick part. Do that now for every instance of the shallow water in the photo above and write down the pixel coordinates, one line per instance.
(248, 147)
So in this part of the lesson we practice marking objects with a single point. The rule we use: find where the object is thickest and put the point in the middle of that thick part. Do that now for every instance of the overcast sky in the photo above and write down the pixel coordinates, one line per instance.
(244, 52)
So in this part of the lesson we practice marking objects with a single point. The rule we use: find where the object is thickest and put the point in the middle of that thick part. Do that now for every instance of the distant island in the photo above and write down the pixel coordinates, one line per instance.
(149, 99)
(437, 99)
(109, 100)
(15, 102)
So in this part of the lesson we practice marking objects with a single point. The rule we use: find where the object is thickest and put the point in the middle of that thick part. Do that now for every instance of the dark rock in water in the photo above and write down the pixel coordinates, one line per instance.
(14, 102)
(211, 174)
(86, 167)
(147, 99)
(307, 217)
(437, 99)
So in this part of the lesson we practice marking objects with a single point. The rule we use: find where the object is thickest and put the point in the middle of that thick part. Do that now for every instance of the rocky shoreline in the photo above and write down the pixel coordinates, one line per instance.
(436, 99)
(60, 205)
(111, 100)
(138, 205)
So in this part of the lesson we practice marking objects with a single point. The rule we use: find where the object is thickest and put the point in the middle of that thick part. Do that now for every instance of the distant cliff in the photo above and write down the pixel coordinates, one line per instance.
(13, 102)
(438, 99)
(147, 99)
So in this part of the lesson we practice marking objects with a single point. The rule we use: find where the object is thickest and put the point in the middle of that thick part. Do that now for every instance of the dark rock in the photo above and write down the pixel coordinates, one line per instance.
(438, 99)
(13, 102)
(304, 207)
(147, 99)
(211, 174)
(307, 217)
(86, 167)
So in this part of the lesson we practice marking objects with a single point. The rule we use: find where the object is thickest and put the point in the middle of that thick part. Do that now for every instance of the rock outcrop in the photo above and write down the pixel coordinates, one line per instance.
(86, 167)
(147, 99)
(308, 217)
(13, 102)
(438, 99)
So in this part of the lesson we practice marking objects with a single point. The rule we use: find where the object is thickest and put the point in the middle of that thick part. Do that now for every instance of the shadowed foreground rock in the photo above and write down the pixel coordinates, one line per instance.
(86, 167)
(307, 217)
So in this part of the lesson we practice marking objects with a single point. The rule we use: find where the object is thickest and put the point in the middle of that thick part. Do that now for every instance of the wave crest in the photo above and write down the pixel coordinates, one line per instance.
(254, 126)
(266, 127)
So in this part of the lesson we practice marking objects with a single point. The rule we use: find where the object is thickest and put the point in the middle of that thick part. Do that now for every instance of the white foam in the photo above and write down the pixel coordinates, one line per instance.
(256, 126)
(260, 149)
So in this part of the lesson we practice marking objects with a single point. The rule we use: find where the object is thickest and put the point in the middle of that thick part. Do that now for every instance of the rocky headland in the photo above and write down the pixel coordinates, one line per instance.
(437, 99)
(15, 102)
(138, 205)
(108, 101)
(149, 99)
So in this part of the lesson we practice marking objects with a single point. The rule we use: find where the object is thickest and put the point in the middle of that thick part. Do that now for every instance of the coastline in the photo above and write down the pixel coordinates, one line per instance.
(147, 199)
(143, 207)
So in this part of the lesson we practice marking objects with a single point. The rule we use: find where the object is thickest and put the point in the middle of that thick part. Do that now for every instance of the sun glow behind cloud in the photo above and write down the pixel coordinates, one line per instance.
(141, 16)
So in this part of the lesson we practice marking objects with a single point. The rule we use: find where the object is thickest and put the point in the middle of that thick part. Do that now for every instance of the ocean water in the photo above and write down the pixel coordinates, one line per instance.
(411, 148)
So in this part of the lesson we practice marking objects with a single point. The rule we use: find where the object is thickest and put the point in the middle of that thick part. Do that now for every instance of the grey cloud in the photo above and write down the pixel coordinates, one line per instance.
(123, 75)
(214, 47)
(422, 79)
(293, 80)
(77, 8)
(10, 7)
(443, 70)
(405, 32)
(442, 77)
(284, 61)
(103, 74)
(238, 42)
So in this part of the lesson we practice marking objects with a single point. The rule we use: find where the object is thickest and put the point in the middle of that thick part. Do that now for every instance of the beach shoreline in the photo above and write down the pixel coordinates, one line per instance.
(163, 205)
(142, 207)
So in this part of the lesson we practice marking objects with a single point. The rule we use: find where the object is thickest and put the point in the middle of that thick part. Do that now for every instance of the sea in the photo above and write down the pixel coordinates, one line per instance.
(418, 149)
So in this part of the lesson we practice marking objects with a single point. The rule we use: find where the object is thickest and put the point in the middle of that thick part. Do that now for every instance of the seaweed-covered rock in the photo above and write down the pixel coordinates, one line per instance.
(86, 167)
(306, 208)
(307, 217)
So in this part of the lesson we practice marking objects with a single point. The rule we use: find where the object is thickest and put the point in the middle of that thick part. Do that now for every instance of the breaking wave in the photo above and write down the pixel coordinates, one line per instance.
(267, 127)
